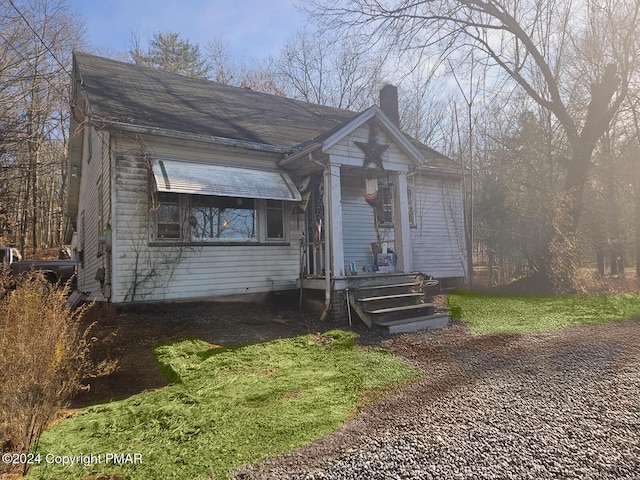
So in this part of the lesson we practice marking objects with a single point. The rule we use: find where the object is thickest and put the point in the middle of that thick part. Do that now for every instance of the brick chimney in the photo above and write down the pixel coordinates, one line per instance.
(389, 103)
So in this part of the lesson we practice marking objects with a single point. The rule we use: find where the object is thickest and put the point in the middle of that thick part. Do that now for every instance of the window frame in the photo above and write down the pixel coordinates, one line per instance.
(157, 207)
(267, 209)
(261, 210)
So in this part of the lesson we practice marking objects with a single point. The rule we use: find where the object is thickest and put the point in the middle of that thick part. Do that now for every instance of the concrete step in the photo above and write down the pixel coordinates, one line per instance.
(400, 312)
(406, 325)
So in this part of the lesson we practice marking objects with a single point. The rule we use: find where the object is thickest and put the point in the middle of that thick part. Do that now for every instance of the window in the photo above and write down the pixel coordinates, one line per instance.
(275, 217)
(222, 218)
(168, 216)
(210, 219)
(384, 210)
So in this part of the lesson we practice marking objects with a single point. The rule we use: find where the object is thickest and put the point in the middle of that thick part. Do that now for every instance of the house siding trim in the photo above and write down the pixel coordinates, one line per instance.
(390, 166)
(402, 228)
(337, 265)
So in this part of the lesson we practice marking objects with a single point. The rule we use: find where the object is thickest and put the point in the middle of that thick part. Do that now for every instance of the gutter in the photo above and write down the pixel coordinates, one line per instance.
(290, 157)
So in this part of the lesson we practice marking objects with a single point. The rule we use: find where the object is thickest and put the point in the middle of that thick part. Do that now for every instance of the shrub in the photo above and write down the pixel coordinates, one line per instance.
(42, 359)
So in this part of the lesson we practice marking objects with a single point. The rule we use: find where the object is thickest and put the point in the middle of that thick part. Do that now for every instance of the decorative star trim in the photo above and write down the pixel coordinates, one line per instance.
(372, 149)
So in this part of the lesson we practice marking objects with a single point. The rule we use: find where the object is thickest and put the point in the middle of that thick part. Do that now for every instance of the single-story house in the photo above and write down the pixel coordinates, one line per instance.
(181, 189)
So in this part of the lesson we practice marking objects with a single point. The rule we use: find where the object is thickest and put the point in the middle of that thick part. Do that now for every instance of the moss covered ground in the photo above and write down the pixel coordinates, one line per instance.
(226, 407)
(524, 314)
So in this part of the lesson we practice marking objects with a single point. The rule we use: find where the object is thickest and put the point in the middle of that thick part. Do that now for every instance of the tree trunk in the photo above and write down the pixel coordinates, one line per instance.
(600, 260)
(24, 213)
(34, 203)
(563, 245)
(637, 248)
(490, 263)
(637, 226)
(576, 179)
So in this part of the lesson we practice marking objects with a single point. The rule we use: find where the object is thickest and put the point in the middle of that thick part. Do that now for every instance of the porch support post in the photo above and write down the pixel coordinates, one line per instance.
(335, 204)
(402, 227)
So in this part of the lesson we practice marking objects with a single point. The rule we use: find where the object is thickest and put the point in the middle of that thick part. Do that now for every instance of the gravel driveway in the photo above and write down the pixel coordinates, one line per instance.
(564, 404)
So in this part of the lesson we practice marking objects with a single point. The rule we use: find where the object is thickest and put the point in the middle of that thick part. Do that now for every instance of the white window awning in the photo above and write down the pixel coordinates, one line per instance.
(203, 179)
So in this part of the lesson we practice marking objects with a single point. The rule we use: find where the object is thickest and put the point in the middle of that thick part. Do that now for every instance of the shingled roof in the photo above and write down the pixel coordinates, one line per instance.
(126, 94)
(129, 94)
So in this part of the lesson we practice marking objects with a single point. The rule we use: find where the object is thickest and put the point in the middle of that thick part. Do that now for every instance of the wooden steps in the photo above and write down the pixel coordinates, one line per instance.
(401, 312)
(396, 307)
(390, 297)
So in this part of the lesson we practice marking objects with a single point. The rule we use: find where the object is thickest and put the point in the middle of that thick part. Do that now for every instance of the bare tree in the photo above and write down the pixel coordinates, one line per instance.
(239, 73)
(320, 68)
(423, 100)
(574, 59)
(224, 68)
(37, 39)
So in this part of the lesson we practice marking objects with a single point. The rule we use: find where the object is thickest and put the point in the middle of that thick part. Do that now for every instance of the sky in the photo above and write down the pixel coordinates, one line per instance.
(254, 29)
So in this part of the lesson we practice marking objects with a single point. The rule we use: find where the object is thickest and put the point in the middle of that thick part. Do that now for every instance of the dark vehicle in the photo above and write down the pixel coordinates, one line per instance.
(54, 271)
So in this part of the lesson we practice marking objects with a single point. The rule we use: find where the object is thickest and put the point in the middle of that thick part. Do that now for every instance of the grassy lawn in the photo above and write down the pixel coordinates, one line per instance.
(504, 314)
(226, 407)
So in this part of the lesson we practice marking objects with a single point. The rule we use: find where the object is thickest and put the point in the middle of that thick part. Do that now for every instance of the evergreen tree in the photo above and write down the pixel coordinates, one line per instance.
(171, 53)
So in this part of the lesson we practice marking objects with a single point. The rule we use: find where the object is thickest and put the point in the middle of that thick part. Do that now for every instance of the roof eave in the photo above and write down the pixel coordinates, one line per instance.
(297, 155)
(163, 132)
(450, 172)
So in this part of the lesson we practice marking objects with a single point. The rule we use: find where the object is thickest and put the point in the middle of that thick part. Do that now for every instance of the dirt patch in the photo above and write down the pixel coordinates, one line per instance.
(124, 339)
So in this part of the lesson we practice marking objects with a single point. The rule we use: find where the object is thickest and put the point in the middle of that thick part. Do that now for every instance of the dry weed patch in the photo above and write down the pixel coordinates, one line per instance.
(43, 351)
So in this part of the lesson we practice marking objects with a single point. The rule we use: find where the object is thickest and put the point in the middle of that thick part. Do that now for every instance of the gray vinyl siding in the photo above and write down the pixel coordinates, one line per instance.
(93, 213)
(153, 272)
(358, 227)
(438, 239)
